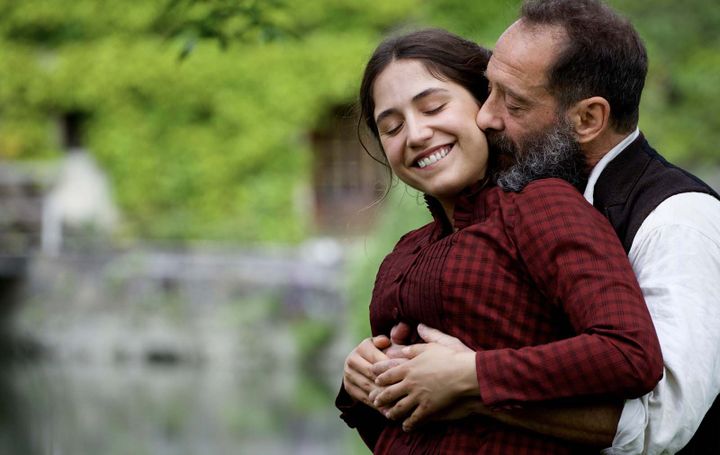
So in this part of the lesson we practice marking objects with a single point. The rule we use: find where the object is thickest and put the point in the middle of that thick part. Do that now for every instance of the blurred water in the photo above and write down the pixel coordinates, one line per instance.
(58, 409)
(182, 352)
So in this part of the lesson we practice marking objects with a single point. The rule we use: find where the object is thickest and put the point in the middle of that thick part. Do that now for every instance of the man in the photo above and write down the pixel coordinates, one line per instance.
(575, 66)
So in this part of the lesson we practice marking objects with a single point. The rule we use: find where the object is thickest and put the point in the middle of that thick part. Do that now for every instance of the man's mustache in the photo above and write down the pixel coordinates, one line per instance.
(502, 148)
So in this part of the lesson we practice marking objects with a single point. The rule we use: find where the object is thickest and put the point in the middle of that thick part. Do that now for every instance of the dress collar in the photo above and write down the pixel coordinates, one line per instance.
(462, 213)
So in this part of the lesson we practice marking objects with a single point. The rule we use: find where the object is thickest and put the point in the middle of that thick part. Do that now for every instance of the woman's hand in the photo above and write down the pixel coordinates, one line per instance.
(358, 377)
(430, 377)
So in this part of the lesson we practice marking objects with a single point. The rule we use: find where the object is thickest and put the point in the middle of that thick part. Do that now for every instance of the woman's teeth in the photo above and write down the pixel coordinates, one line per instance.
(435, 157)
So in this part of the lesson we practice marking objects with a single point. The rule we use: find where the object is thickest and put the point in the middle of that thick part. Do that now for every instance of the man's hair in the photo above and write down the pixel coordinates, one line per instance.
(603, 56)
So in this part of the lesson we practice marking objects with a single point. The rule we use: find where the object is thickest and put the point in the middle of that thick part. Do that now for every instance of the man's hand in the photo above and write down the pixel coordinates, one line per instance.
(358, 378)
(400, 335)
(427, 379)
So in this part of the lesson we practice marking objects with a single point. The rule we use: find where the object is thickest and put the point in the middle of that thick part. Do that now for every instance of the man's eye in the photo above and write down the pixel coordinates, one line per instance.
(513, 108)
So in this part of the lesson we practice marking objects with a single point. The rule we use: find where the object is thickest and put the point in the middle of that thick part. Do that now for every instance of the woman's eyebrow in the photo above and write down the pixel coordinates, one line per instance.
(428, 92)
(425, 93)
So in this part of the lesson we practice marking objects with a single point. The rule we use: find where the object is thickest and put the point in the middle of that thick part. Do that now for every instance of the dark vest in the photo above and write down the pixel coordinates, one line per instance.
(629, 188)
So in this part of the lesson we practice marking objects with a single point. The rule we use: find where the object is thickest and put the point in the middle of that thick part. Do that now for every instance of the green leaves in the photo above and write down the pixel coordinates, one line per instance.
(216, 146)
(224, 21)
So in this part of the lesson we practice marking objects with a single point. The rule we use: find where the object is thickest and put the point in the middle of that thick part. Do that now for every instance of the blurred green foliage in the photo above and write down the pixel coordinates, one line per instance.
(200, 110)
(404, 210)
(212, 147)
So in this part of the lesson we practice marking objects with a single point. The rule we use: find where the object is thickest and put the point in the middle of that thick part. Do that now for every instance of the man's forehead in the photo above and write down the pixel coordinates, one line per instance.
(526, 51)
(535, 33)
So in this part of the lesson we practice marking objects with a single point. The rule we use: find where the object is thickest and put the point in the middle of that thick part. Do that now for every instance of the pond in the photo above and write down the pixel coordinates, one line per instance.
(204, 351)
(51, 408)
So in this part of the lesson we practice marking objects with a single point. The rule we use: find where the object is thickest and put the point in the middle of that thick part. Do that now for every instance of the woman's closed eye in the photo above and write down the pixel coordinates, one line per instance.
(392, 129)
(434, 110)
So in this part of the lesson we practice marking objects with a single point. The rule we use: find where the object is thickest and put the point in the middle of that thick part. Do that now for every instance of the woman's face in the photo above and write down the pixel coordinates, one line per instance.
(427, 129)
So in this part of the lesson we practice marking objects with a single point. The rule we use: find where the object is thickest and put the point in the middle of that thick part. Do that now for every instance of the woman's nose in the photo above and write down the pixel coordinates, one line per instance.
(419, 133)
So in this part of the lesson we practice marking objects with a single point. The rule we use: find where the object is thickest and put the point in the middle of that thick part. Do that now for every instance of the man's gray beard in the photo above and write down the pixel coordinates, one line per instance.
(553, 152)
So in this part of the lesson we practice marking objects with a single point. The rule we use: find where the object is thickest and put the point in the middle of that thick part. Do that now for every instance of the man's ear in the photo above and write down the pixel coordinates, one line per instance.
(590, 118)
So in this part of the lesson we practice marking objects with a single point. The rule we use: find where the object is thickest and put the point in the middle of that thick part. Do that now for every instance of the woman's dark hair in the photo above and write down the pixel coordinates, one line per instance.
(445, 55)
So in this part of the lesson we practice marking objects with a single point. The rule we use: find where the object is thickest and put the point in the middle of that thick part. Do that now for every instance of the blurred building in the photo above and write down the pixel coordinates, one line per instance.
(346, 182)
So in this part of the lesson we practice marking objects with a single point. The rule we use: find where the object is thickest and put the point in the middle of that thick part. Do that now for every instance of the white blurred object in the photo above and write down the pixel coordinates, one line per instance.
(323, 250)
(80, 197)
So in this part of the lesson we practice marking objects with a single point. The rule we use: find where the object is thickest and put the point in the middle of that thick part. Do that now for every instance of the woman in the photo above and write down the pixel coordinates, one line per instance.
(535, 282)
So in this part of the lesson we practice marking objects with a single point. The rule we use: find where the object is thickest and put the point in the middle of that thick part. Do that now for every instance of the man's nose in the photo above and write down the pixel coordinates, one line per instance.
(488, 117)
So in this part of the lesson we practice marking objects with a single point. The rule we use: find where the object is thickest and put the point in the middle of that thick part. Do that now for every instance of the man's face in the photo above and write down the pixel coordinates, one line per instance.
(553, 152)
(520, 106)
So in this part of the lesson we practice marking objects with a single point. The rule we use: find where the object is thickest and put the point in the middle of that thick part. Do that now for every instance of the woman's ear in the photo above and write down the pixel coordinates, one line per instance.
(590, 118)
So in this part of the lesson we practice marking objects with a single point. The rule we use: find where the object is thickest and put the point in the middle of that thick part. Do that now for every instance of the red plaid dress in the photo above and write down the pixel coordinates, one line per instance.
(538, 284)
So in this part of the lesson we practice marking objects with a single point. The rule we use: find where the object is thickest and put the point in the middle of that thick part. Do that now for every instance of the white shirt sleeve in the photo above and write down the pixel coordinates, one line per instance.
(676, 257)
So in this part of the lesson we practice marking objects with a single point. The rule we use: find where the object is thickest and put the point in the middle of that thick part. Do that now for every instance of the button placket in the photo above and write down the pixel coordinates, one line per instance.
(406, 265)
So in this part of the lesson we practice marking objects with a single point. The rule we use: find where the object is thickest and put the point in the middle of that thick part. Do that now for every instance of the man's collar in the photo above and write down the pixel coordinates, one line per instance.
(600, 166)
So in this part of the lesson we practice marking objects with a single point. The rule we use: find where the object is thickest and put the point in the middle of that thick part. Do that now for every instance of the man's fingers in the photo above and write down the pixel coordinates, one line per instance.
(389, 395)
(395, 351)
(402, 408)
(414, 350)
(374, 393)
(430, 335)
(384, 365)
(416, 418)
(391, 376)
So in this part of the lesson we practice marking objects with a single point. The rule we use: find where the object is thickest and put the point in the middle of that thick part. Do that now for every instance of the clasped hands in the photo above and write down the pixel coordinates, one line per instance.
(414, 383)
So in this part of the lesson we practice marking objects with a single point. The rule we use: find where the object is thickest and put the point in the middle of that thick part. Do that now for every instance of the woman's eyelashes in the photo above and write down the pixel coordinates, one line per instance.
(435, 110)
(390, 125)
(393, 129)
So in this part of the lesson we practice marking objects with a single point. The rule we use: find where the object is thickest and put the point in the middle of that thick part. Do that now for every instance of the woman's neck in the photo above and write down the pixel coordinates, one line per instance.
(448, 206)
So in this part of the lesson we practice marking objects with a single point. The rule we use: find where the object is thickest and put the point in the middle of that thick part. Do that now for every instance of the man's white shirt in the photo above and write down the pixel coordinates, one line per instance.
(676, 258)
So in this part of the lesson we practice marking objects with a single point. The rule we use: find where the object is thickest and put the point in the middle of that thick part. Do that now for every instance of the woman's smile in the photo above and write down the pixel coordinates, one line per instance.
(427, 130)
(432, 157)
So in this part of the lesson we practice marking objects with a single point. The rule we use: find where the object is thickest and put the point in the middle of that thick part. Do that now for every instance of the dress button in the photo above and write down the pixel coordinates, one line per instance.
(395, 312)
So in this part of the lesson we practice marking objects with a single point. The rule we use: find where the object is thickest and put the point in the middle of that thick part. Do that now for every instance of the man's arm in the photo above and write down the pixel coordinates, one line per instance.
(447, 394)
(585, 424)
(614, 352)
(676, 257)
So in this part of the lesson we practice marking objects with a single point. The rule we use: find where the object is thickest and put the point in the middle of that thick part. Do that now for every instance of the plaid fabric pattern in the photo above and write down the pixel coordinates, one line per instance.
(539, 285)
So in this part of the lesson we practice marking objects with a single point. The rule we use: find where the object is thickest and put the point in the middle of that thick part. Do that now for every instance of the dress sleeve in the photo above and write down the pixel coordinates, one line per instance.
(574, 257)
